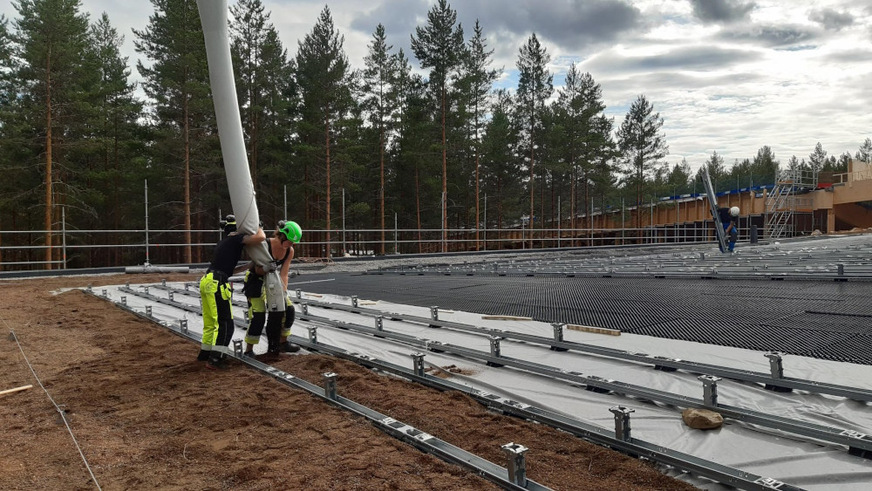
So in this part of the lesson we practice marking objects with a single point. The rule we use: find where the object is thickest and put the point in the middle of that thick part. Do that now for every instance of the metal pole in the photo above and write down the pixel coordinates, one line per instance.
(442, 226)
(343, 221)
(146, 224)
(623, 219)
(484, 225)
(558, 222)
(396, 250)
(286, 202)
(590, 215)
(64, 235)
(652, 220)
(523, 234)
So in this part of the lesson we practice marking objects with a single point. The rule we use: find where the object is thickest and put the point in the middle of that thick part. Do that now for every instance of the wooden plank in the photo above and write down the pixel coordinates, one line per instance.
(17, 389)
(595, 330)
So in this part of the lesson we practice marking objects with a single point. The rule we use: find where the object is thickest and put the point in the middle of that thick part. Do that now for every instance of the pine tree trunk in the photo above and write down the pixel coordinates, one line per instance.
(327, 142)
(382, 187)
(532, 164)
(573, 208)
(48, 157)
(444, 175)
(187, 182)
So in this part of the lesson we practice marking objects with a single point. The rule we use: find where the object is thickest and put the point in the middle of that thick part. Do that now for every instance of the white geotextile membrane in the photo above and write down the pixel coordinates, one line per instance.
(761, 451)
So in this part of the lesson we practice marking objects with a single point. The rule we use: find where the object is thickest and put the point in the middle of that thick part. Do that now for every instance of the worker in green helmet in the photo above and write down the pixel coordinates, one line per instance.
(278, 324)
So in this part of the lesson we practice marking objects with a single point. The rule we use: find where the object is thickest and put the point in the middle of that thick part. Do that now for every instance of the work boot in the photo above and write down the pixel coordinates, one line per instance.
(287, 347)
(203, 356)
(249, 355)
(216, 362)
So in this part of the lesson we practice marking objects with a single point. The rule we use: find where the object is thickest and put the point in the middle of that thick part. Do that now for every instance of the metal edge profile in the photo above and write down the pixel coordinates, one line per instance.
(595, 434)
(857, 443)
(408, 434)
(848, 392)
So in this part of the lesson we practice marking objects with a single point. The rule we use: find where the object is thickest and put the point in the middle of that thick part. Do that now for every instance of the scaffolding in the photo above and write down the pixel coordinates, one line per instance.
(786, 200)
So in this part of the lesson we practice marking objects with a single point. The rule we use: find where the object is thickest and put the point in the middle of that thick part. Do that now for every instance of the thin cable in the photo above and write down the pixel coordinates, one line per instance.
(59, 410)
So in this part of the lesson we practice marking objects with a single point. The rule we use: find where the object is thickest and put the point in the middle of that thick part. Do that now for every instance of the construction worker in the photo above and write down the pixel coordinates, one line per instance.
(729, 220)
(215, 293)
(228, 223)
(278, 324)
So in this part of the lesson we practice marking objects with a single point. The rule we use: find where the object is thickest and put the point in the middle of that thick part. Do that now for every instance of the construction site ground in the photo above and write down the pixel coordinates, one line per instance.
(120, 398)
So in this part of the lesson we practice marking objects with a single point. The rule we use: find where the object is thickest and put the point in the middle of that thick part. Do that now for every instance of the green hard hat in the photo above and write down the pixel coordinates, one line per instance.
(291, 230)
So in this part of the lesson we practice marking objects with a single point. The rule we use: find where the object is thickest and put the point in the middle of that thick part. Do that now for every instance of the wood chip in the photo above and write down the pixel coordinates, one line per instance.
(595, 330)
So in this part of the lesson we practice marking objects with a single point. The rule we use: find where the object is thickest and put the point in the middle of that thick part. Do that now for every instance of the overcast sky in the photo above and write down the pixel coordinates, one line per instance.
(725, 75)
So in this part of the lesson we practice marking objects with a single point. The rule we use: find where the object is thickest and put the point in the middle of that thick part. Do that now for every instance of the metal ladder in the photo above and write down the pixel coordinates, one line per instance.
(713, 205)
(781, 203)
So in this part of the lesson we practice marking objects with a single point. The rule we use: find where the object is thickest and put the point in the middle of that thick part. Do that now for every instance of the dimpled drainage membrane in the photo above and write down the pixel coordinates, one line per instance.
(827, 320)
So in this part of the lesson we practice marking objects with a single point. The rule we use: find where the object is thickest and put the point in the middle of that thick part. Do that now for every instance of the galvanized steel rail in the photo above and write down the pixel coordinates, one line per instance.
(401, 431)
(428, 443)
(857, 443)
(848, 392)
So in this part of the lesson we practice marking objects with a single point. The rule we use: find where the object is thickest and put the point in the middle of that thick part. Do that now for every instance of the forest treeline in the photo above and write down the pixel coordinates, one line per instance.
(377, 145)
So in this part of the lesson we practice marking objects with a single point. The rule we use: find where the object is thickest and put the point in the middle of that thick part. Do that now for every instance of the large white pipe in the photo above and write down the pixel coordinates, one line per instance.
(213, 17)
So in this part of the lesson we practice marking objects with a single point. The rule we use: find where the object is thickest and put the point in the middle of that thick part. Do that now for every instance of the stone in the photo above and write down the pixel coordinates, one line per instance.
(702, 419)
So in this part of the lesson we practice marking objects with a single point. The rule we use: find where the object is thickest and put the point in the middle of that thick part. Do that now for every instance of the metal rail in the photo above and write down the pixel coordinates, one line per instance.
(596, 434)
(425, 442)
(399, 430)
(857, 443)
(770, 379)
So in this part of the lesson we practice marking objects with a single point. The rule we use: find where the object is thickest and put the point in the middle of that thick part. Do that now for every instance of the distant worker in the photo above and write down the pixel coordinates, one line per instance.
(278, 324)
(215, 294)
(729, 220)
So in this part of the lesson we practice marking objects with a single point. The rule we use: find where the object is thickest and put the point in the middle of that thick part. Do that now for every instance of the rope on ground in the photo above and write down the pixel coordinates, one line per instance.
(59, 410)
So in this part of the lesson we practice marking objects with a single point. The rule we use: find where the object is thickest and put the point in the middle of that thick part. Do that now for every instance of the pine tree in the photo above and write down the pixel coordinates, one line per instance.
(535, 85)
(50, 40)
(864, 154)
(502, 173)
(263, 79)
(414, 154)
(679, 177)
(438, 46)
(7, 98)
(475, 81)
(177, 81)
(324, 84)
(817, 159)
(764, 167)
(588, 145)
(381, 102)
(116, 132)
(717, 171)
(641, 145)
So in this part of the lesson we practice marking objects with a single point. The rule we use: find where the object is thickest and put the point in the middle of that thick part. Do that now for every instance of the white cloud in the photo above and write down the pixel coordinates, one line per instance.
(729, 76)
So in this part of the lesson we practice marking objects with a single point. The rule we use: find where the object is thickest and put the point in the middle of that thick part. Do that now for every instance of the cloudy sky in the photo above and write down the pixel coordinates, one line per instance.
(725, 75)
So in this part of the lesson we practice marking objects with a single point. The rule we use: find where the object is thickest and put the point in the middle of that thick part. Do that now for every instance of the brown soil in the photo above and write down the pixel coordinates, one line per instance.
(148, 416)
